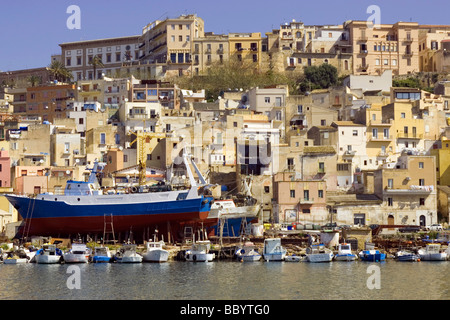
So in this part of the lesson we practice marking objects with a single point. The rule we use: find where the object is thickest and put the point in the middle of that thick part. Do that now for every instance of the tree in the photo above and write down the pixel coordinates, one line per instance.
(96, 62)
(34, 80)
(59, 72)
(319, 77)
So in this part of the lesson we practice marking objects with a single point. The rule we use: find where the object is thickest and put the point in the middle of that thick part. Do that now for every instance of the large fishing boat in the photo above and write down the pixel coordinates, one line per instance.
(83, 209)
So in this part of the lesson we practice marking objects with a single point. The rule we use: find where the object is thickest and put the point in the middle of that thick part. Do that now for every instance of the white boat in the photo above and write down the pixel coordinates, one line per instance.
(18, 256)
(319, 253)
(273, 251)
(49, 254)
(127, 254)
(248, 252)
(433, 252)
(200, 252)
(79, 253)
(345, 253)
(101, 254)
(155, 252)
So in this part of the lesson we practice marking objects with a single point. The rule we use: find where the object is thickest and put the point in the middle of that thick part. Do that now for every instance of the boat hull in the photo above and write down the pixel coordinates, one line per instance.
(65, 215)
(274, 256)
(101, 259)
(345, 257)
(320, 257)
(433, 256)
(47, 259)
(15, 261)
(372, 257)
(156, 256)
(199, 257)
(133, 259)
(76, 258)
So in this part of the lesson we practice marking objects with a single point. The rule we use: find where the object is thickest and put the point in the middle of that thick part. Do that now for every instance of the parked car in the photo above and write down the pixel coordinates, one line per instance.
(434, 227)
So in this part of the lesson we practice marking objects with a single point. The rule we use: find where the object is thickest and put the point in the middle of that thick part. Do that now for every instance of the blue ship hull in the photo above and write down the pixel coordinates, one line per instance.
(87, 214)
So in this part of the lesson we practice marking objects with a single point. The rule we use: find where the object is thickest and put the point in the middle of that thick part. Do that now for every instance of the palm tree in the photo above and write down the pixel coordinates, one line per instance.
(34, 80)
(95, 62)
(59, 72)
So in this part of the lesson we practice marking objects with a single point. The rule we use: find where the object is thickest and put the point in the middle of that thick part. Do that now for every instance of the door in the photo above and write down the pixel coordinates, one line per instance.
(422, 221)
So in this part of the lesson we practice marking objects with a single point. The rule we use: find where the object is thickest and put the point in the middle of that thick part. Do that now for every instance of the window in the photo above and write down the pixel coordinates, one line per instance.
(355, 132)
(420, 165)
(66, 147)
(421, 182)
(266, 189)
(422, 201)
(323, 122)
(102, 138)
(390, 202)
(306, 194)
(390, 183)
(292, 193)
(321, 167)
(320, 193)
(267, 99)
(403, 115)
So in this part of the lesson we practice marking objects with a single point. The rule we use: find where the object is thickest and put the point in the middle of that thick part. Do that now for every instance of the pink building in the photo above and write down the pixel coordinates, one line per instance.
(5, 169)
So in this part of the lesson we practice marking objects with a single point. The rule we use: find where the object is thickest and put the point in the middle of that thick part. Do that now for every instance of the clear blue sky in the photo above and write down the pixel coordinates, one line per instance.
(31, 31)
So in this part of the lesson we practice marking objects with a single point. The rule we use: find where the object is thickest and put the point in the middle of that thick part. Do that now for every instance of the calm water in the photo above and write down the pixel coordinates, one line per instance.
(228, 280)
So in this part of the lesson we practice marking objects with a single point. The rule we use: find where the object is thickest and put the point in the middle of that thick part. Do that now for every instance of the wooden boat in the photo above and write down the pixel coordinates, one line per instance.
(433, 252)
(319, 253)
(273, 251)
(155, 252)
(248, 252)
(407, 255)
(345, 253)
(200, 252)
(127, 254)
(49, 254)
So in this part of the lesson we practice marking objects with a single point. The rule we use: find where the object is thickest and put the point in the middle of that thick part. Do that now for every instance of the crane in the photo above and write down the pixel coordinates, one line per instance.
(141, 139)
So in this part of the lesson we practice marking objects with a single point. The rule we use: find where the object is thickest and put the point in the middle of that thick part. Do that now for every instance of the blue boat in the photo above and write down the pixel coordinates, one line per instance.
(83, 208)
(101, 255)
(372, 255)
(406, 255)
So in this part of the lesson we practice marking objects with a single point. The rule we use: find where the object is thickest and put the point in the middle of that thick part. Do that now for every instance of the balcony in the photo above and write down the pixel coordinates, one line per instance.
(363, 38)
(382, 154)
(406, 135)
(412, 190)
(349, 153)
(363, 66)
(321, 170)
(306, 201)
(408, 39)
(409, 53)
(363, 51)
(380, 138)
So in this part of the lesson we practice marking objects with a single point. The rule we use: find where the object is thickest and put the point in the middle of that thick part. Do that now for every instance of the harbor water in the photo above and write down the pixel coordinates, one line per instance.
(228, 280)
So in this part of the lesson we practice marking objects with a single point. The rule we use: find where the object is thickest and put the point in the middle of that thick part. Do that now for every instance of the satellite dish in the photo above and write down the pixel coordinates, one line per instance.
(68, 171)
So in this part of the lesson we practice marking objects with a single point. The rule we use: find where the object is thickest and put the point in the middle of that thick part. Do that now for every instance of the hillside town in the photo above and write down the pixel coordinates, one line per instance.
(369, 147)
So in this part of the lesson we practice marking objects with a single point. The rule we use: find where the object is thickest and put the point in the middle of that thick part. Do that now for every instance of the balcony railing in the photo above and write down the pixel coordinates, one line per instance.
(406, 135)
(306, 200)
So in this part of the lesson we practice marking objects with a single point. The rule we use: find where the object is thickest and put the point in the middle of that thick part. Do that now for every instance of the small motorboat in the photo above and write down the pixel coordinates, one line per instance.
(200, 252)
(49, 254)
(371, 254)
(273, 250)
(345, 253)
(127, 254)
(407, 255)
(319, 253)
(432, 252)
(101, 254)
(79, 253)
(248, 253)
(155, 252)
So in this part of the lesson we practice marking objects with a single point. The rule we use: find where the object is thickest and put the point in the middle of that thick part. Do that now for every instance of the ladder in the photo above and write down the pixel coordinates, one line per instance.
(28, 218)
(108, 222)
(243, 229)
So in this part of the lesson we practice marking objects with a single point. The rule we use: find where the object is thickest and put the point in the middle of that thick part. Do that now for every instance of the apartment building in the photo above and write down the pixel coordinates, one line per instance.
(245, 47)
(384, 47)
(209, 50)
(49, 102)
(299, 201)
(408, 190)
(112, 52)
(432, 40)
(170, 42)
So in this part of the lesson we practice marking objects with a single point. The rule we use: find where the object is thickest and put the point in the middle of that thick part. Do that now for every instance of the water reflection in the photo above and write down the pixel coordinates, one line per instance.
(228, 281)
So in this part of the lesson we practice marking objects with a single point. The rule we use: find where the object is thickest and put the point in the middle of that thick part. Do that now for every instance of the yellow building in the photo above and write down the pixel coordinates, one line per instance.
(442, 156)
(245, 47)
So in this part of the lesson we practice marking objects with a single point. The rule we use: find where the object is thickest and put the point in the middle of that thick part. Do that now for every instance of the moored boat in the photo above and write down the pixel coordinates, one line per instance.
(79, 253)
(372, 255)
(48, 254)
(127, 254)
(407, 255)
(319, 253)
(248, 252)
(155, 252)
(273, 250)
(200, 252)
(101, 254)
(432, 252)
(345, 253)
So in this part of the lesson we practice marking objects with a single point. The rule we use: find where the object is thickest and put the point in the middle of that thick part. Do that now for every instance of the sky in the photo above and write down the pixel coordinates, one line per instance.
(31, 31)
